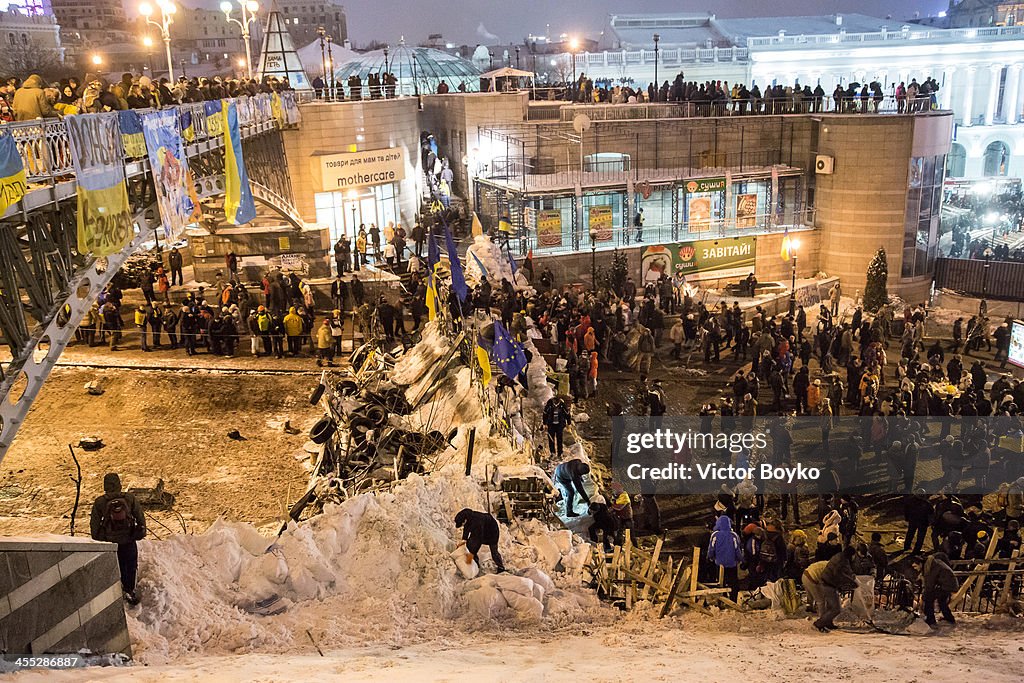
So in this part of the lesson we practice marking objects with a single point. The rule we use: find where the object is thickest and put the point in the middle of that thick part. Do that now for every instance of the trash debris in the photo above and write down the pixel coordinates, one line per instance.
(94, 388)
(236, 436)
(91, 443)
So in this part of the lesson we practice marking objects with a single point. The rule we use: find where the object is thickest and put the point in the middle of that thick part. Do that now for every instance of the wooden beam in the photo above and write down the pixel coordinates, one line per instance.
(676, 581)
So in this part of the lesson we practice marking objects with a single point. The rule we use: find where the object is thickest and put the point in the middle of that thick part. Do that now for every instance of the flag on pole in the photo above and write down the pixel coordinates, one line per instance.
(433, 258)
(508, 353)
(12, 173)
(458, 277)
(512, 263)
(479, 264)
(478, 228)
(485, 364)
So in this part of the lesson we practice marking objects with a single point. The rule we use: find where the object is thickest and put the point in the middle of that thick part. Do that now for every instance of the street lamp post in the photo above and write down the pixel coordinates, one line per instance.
(249, 9)
(593, 258)
(148, 42)
(517, 56)
(656, 81)
(330, 65)
(167, 11)
(793, 246)
(573, 46)
(323, 59)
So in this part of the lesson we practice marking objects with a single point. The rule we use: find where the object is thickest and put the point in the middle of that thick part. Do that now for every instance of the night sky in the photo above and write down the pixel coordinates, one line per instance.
(504, 21)
(510, 20)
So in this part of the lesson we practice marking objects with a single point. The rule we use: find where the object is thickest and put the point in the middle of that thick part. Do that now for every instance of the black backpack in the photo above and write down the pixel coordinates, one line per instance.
(767, 555)
(118, 521)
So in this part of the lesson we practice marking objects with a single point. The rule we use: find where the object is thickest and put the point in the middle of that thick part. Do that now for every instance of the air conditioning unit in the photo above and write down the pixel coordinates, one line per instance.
(824, 164)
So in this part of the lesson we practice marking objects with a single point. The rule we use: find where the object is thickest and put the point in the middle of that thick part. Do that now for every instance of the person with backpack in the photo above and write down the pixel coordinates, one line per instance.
(725, 551)
(117, 517)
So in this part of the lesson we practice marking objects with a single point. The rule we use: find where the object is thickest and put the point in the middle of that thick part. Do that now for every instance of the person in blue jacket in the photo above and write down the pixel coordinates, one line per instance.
(725, 551)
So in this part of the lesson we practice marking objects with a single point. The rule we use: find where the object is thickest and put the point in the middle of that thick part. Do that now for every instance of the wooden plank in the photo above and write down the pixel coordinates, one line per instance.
(1004, 594)
(693, 569)
(652, 567)
(676, 581)
(702, 591)
(627, 563)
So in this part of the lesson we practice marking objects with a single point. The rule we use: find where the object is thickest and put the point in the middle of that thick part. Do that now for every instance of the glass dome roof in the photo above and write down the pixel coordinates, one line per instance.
(416, 68)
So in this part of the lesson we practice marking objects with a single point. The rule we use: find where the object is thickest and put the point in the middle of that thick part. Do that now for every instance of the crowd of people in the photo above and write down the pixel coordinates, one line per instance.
(36, 98)
(718, 98)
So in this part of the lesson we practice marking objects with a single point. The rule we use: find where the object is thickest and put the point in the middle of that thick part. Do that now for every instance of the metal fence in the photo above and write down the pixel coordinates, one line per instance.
(46, 151)
(981, 278)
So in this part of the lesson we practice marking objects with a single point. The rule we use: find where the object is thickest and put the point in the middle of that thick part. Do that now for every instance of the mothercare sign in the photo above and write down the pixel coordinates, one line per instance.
(359, 169)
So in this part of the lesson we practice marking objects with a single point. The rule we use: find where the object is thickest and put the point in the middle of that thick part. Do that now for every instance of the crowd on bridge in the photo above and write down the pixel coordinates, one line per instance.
(718, 98)
(36, 98)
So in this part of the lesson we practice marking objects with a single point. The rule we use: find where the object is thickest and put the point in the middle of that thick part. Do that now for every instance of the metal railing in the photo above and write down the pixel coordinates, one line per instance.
(665, 57)
(606, 111)
(905, 33)
(658, 234)
(46, 151)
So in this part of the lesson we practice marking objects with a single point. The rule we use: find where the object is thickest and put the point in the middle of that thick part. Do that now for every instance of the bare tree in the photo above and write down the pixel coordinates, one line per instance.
(22, 61)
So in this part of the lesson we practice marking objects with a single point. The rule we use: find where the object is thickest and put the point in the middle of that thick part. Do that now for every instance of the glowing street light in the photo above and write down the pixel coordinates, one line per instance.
(794, 244)
(148, 42)
(574, 45)
(97, 60)
(167, 11)
(249, 9)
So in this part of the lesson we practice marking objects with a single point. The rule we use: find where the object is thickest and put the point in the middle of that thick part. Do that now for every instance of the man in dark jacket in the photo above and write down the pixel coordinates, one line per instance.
(917, 510)
(479, 529)
(605, 521)
(939, 585)
(117, 518)
(569, 476)
(826, 582)
(556, 419)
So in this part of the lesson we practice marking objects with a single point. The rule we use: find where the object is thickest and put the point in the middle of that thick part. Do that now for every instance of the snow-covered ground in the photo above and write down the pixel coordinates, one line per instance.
(693, 648)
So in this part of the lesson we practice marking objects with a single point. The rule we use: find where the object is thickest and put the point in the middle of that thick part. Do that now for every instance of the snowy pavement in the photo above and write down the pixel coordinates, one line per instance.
(724, 648)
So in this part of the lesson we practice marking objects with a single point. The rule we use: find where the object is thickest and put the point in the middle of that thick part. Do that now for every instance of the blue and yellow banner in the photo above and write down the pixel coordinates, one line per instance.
(239, 206)
(175, 191)
(12, 173)
(105, 223)
(214, 118)
(131, 134)
(188, 129)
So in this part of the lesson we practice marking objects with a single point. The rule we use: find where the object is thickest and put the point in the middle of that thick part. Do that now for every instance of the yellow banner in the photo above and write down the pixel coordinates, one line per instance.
(104, 220)
(12, 189)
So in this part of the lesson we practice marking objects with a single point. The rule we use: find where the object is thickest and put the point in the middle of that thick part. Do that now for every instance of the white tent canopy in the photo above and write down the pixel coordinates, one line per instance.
(507, 72)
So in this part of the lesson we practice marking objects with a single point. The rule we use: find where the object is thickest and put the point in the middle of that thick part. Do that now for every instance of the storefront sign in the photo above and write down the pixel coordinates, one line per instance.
(746, 211)
(701, 185)
(702, 259)
(549, 229)
(359, 169)
(600, 219)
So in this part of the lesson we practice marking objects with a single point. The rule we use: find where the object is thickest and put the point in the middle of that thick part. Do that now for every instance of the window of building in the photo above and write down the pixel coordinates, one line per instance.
(997, 159)
(921, 220)
(956, 162)
(11, 39)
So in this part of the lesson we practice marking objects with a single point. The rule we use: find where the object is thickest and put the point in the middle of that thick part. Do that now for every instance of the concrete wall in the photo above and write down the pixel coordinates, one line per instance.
(862, 205)
(456, 118)
(339, 127)
(61, 597)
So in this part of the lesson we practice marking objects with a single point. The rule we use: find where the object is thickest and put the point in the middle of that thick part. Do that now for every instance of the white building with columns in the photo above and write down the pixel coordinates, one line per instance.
(979, 70)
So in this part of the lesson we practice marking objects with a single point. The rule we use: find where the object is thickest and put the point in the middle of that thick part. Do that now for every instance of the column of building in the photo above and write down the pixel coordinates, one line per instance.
(1011, 97)
(967, 112)
(994, 72)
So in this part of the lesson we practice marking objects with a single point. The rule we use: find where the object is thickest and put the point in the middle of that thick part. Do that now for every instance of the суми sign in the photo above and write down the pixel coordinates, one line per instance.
(358, 169)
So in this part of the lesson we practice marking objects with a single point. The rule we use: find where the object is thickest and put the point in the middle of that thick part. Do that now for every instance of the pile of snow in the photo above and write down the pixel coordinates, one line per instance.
(495, 261)
(526, 598)
(415, 362)
(373, 569)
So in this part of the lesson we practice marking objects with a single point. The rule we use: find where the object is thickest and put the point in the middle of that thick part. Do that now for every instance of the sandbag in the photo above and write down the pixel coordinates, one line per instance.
(464, 561)
(547, 551)
(863, 601)
(487, 601)
(526, 608)
(540, 578)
